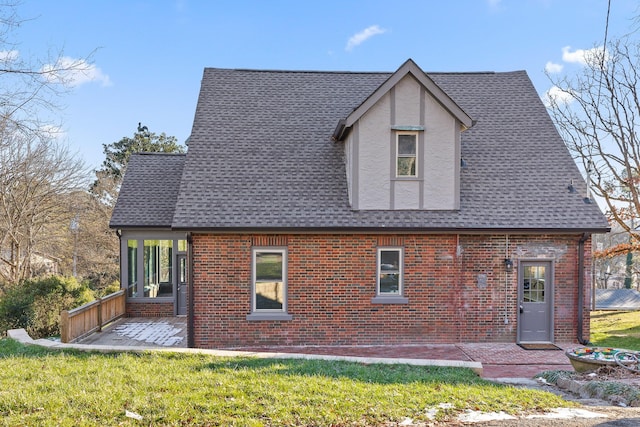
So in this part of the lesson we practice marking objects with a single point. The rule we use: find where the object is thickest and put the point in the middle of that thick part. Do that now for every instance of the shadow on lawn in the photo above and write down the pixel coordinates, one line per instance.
(369, 373)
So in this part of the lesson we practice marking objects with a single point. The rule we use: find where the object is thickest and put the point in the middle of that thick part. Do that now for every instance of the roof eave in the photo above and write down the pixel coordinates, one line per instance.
(403, 230)
(139, 227)
(341, 131)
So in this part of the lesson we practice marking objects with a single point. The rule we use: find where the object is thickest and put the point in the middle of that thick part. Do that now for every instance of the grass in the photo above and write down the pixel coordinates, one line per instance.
(44, 387)
(620, 329)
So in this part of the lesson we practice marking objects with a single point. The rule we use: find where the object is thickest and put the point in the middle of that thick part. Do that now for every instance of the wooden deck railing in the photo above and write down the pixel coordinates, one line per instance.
(91, 317)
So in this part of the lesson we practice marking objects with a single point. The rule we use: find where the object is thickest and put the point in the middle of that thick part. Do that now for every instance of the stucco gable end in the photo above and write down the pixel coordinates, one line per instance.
(408, 68)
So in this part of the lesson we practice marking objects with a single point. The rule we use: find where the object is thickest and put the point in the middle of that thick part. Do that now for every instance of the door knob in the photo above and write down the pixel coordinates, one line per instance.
(521, 309)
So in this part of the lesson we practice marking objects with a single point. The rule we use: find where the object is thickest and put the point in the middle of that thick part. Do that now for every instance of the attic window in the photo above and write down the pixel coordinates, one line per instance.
(406, 154)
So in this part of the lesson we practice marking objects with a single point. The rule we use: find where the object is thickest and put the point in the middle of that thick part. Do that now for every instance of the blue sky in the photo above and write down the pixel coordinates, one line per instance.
(148, 55)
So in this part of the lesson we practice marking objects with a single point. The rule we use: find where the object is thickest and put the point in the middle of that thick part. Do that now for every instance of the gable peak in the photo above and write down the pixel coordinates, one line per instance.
(408, 67)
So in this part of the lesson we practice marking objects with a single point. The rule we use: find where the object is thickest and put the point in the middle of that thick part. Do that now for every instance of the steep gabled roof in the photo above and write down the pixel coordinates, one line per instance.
(149, 191)
(408, 68)
(261, 157)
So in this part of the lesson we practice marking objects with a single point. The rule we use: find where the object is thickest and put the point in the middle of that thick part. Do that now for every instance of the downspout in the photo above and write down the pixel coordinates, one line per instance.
(190, 293)
(506, 281)
(457, 300)
(583, 239)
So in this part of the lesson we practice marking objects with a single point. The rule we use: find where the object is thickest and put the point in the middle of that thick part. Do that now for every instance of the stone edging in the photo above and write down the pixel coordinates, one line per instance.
(615, 392)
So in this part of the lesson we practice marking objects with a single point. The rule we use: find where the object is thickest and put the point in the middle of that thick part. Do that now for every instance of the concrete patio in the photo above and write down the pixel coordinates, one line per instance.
(142, 331)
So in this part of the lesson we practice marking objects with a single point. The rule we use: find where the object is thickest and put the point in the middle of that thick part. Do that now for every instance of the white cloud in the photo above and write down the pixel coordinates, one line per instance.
(582, 56)
(553, 68)
(75, 72)
(555, 95)
(8, 55)
(364, 35)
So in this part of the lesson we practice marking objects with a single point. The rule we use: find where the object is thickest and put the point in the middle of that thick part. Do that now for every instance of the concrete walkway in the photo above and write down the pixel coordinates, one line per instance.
(500, 361)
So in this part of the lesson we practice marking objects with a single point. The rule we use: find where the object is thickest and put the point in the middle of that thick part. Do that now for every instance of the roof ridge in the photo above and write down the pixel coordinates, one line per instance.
(160, 153)
(265, 70)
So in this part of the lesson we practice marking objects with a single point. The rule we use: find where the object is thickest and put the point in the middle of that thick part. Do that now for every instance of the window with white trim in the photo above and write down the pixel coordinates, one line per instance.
(406, 154)
(390, 271)
(269, 273)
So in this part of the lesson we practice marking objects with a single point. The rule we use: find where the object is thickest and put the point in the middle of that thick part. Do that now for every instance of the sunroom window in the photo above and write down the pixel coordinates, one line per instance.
(150, 265)
(158, 263)
(132, 268)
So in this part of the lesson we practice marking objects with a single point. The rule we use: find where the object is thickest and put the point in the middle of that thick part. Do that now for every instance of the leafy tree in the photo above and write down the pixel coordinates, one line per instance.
(35, 305)
(117, 154)
(96, 246)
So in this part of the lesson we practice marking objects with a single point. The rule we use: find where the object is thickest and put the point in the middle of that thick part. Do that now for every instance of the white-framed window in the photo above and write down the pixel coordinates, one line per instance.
(269, 280)
(390, 271)
(407, 154)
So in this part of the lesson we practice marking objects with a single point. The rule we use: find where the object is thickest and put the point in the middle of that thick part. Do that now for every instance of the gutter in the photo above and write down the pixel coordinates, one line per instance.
(383, 229)
(583, 239)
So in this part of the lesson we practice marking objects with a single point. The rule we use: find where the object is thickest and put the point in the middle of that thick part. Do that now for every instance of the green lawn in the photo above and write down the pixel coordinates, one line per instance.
(619, 329)
(41, 387)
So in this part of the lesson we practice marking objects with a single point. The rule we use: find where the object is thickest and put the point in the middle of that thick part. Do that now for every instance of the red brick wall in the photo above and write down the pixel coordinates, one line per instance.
(332, 278)
(149, 309)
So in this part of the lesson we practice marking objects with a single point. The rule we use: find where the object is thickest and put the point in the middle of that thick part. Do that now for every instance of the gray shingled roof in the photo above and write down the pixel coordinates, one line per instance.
(149, 191)
(261, 157)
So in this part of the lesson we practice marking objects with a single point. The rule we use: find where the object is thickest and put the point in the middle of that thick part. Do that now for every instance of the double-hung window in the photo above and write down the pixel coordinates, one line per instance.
(406, 154)
(269, 284)
(390, 276)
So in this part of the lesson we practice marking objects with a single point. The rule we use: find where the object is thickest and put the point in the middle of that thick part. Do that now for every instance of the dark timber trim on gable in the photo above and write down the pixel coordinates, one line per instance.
(409, 67)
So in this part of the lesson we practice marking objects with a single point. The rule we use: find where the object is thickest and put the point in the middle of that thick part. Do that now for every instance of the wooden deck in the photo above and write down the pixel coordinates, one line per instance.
(142, 332)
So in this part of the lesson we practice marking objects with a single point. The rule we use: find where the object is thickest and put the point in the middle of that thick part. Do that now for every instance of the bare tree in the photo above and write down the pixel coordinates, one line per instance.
(36, 171)
(598, 113)
(612, 266)
(85, 245)
(35, 175)
(31, 86)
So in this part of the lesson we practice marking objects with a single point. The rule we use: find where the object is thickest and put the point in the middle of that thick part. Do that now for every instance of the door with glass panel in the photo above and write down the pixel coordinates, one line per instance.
(535, 295)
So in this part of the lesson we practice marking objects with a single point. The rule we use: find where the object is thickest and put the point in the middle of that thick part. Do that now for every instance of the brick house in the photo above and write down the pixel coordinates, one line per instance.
(334, 208)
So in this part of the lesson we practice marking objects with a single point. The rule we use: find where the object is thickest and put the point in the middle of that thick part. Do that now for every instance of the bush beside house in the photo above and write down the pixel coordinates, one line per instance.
(35, 304)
